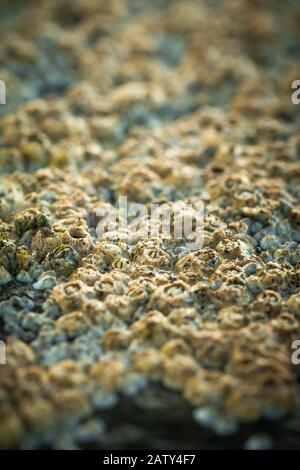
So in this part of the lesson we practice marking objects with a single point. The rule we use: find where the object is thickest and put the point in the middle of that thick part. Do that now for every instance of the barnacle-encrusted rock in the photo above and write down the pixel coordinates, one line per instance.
(190, 103)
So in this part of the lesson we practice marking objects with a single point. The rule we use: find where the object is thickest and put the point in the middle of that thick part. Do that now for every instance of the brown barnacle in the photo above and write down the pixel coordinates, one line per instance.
(254, 284)
(30, 219)
(62, 259)
(214, 225)
(79, 238)
(289, 254)
(129, 93)
(18, 353)
(148, 362)
(123, 264)
(209, 260)
(152, 328)
(207, 387)
(200, 392)
(231, 318)
(140, 289)
(188, 268)
(140, 185)
(269, 302)
(70, 402)
(141, 246)
(121, 305)
(246, 196)
(11, 428)
(108, 251)
(237, 230)
(104, 128)
(216, 236)
(162, 277)
(38, 414)
(116, 339)
(227, 295)
(231, 249)
(210, 347)
(174, 347)
(73, 324)
(70, 296)
(31, 380)
(66, 374)
(170, 296)
(99, 314)
(184, 176)
(153, 256)
(233, 183)
(87, 274)
(109, 372)
(95, 260)
(244, 402)
(257, 333)
(293, 304)
(70, 210)
(259, 213)
(44, 241)
(271, 383)
(230, 273)
(178, 369)
(285, 324)
(264, 370)
(185, 319)
(114, 283)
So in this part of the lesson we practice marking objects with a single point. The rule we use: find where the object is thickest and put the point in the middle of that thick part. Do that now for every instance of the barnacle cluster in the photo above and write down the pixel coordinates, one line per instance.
(161, 101)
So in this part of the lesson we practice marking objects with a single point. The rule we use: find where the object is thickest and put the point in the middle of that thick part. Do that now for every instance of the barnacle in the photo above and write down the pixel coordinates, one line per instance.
(70, 295)
(70, 403)
(116, 338)
(109, 372)
(30, 219)
(169, 296)
(148, 361)
(73, 324)
(269, 302)
(5, 276)
(293, 303)
(232, 318)
(178, 369)
(66, 374)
